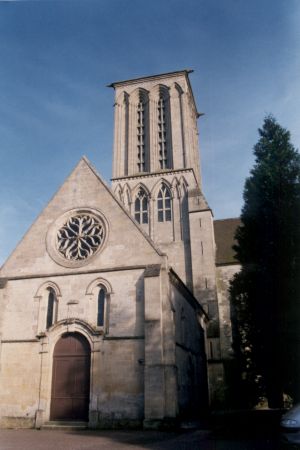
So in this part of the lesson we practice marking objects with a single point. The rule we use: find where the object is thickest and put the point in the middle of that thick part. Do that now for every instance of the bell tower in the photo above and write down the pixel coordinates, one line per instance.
(156, 171)
(155, 125)
(156, 175)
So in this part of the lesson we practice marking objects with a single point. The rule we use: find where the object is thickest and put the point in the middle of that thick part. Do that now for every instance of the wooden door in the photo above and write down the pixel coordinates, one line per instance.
(71, 378)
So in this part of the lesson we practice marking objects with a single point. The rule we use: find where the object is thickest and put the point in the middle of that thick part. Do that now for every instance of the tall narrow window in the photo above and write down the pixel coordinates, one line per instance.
(164, 211)
(50, 308)
(162, 135)
(101, 307)
(141, 138)
(141, 207)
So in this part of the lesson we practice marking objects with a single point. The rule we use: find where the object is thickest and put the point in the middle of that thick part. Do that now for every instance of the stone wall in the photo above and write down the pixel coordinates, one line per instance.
(117, 390)
(222, 372)
(190, 353)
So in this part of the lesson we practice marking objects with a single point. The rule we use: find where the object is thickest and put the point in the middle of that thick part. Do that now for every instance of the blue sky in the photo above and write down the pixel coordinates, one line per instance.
(57, 57)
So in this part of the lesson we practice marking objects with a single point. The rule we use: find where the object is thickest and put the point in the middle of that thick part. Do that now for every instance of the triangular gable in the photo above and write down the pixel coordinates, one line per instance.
(126, 245)
(84, 158)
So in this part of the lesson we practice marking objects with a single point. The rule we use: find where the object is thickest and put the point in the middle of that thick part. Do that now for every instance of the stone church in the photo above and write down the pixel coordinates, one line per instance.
(114, 306)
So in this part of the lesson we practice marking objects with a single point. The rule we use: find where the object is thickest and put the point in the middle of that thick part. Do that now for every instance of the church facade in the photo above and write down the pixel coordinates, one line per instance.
(114, 309)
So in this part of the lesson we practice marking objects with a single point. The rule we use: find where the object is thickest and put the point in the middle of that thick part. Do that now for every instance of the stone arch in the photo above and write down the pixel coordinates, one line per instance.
(155, 189)
(97, 282)
(159, 90)
(178, 88)
(139, 95)
(70, 325)
(139, 186)
(122, 98)
(44, 286)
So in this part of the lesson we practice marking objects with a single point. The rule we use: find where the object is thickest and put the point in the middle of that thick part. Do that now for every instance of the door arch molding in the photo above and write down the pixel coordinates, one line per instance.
(47, 343)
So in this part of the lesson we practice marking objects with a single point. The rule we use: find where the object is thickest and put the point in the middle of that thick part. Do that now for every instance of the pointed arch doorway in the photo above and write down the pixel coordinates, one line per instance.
(71, 378)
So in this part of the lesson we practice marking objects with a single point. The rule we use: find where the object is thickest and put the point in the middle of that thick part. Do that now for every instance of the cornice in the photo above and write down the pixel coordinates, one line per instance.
(184, 72)
(69, 273)
(153, 174)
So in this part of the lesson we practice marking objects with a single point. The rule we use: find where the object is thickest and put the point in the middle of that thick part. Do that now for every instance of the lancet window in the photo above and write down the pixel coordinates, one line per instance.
(141, 207)
(163, 132)
(141, 137)
(101, 307)
(51, 308)
(164, 209)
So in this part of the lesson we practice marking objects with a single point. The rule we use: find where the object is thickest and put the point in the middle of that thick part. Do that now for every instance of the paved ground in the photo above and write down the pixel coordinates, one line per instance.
(133, 440)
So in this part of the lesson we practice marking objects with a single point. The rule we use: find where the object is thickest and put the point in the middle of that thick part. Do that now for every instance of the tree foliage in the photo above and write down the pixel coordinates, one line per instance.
(265, 294)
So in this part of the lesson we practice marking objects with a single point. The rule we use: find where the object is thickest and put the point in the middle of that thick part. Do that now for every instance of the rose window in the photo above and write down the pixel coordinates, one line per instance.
(80, 237)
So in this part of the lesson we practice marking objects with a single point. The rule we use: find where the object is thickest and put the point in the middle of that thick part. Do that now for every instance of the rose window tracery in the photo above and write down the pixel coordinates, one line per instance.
(80, 237)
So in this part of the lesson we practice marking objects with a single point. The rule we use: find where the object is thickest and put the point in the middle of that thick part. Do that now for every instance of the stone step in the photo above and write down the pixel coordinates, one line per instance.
(64, 425)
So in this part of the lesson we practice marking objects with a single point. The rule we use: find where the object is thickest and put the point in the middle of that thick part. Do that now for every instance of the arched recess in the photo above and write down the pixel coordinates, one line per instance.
(183, 186)
(139, 136)
(184, 208)
(47, 305)
(175, 187)
(119, 193)
(181, 149)
(127, 199)
(70, 391)
(163, 126)
(121, 135)
(100, 291)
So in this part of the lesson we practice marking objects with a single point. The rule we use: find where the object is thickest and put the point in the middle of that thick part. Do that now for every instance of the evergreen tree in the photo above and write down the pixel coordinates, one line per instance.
(265, 294)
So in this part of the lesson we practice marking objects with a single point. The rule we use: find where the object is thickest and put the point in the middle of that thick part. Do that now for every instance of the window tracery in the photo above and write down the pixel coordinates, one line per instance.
(164, 210)
(141, 207)
(80, 236)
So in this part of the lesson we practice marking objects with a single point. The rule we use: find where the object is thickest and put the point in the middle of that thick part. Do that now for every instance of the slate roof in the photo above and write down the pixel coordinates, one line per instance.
(224, 236)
